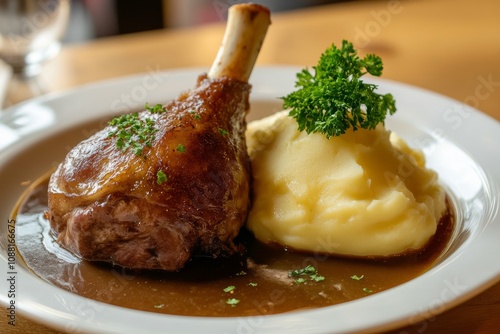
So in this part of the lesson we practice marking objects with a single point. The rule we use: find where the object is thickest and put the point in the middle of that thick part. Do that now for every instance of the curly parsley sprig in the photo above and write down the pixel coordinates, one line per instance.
(334, 98)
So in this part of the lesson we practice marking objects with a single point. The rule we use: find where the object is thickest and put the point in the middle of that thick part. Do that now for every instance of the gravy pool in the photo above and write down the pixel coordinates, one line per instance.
(260, 280)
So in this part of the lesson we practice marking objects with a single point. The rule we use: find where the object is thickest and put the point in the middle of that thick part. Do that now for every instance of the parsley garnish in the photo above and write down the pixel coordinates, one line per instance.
(222, 132)
(367, 290)
(157, 109)
(181, 148)
(300, 280)
(357, 278)
(252, 284)
(132, 132)
(232, 301)
(195, 115)
(334, 98)
(229, 288)
(307, 271)
(161, 177)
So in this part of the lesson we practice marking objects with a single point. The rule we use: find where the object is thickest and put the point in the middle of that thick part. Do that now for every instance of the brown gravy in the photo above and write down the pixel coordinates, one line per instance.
(260, 279)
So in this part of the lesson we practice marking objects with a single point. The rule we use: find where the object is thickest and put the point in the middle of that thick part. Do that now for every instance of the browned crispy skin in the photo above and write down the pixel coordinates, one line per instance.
(106, 204)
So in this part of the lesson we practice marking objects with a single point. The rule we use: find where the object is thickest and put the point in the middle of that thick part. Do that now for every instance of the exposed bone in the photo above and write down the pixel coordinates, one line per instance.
(245, 31)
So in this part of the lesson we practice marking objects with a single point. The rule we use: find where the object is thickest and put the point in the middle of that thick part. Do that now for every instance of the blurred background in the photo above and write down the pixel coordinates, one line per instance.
(91, 19)
(32, 31)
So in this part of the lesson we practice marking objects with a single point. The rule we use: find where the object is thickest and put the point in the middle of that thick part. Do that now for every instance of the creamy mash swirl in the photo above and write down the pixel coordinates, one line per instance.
(365, 193)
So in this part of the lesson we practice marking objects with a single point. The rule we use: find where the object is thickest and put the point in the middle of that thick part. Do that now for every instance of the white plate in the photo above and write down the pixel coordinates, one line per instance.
(460, 143)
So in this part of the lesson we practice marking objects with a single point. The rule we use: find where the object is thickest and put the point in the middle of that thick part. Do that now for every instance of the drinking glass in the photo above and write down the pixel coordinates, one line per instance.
(30, 33)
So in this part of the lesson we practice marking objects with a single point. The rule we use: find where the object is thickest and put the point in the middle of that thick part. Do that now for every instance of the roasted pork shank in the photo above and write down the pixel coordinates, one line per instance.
(153, 189)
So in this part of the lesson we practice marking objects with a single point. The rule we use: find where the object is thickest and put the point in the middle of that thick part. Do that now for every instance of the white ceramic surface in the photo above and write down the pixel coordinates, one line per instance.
(460, 143)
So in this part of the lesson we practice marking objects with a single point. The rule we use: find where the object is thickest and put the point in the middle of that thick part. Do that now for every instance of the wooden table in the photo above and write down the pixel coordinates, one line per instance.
(447, 46)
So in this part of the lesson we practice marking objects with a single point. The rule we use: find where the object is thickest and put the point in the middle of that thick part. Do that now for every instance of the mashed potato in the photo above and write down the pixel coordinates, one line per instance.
(365, 193)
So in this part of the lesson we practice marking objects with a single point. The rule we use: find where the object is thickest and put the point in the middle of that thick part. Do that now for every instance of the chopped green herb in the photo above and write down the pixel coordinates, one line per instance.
(132, 132)
(159, 306)
(229, 288)
(161, 177)
(307, 271)
(157, 109)
(181, 148)
(241, 273)
(222, 132)
(304, 271)
(367, 290)
(232, 301)
(252, 284)
(357, 278)
(317, 278)
(195, 115)
(300, 280)
(334, 98)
